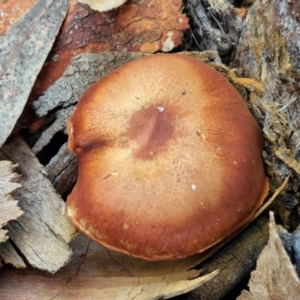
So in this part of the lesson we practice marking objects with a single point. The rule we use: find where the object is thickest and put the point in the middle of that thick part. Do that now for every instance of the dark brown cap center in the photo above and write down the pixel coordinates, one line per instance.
(150, 129)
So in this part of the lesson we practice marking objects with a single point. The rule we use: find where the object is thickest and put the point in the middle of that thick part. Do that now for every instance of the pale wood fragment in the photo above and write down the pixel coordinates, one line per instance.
(43, 232)
(9, 209)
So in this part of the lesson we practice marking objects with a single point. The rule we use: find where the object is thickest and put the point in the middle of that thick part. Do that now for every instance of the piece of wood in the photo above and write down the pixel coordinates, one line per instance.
(43, 232)
(234, 262)
(9, 255)
(24, 48)
(9, 209)
(63, 170)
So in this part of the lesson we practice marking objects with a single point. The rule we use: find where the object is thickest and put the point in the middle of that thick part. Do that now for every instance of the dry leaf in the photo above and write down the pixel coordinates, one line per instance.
(12, 10)
(9, 209)
(98, 273)
(24, 48)
(275, 276)
(102, 5)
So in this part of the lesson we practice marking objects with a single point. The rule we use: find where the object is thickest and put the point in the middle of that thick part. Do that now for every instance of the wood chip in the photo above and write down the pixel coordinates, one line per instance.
(43, 232)
(9, 209)
(24, 48)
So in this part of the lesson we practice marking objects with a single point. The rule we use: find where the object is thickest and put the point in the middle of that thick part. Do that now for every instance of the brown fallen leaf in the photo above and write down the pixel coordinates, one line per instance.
(98, 273)
(275, 276)
(9, 209)
(24, 48)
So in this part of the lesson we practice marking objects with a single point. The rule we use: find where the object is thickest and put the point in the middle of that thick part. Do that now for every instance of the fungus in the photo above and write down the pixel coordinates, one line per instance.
(164, 183)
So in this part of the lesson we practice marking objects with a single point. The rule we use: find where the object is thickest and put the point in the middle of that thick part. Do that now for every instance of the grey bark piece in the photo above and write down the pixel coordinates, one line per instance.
(205, 34)
(215, 26)
(84, 70)
(43, 232)
(24, 48)
(270, 39)
(63, 170)
(269, 52)
(59, 124)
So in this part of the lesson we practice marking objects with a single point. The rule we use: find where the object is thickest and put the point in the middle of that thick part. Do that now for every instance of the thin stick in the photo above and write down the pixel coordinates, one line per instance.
(276, 193)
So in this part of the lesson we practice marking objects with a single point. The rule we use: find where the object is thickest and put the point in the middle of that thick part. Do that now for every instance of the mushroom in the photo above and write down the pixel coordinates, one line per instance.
(169, 159)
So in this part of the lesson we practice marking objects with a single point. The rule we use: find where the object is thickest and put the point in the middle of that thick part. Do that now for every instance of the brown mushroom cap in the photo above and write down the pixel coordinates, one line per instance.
(169, 159)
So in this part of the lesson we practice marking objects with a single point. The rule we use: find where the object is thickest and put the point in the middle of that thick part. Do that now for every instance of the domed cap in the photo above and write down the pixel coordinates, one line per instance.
(169, 159)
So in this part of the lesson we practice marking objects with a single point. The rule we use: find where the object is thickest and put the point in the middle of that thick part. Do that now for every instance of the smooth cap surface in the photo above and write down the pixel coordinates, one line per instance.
(169, 159)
